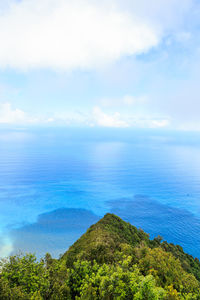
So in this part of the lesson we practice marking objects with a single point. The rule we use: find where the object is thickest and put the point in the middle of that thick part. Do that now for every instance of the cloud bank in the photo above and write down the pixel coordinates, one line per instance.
(148, 52)
(83, 34)
(97, 117)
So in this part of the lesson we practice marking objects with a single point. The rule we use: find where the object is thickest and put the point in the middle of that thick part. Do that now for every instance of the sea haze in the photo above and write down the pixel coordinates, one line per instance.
(55, 183)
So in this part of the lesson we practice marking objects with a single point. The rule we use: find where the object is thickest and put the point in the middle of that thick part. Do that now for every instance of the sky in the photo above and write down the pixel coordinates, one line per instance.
(109, 63)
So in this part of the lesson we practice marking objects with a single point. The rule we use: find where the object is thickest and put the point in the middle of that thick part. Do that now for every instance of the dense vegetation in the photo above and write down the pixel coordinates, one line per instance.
(112, 260)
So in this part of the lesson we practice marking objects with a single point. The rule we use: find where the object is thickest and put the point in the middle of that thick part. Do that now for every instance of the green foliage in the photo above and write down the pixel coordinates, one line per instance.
(24, 275)
(167, 269)
(91, 281)
(188, 263)
(113, 260)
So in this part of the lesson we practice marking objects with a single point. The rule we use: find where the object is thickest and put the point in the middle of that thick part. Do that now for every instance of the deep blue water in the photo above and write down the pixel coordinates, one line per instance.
(55, 183)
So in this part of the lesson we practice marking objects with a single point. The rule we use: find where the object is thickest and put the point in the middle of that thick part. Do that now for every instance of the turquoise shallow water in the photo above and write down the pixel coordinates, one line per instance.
(54, 183)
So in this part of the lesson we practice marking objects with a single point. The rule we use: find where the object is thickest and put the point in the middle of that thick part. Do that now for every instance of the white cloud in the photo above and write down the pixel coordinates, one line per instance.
(119, 120)
(159, 123)
(147, 121)
(125, 101)
(9, 115)
(134, 112)
(100, 118)
(64, 34)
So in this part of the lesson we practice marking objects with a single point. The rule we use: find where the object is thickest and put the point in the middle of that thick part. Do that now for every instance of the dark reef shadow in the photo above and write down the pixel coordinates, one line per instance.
(53, 231)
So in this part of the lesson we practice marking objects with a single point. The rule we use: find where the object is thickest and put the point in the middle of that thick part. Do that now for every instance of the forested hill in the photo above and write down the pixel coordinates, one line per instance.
(112, 260)
(110, 236)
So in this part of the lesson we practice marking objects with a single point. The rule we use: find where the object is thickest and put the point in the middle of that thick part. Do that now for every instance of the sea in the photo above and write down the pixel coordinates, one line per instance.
(56, 182)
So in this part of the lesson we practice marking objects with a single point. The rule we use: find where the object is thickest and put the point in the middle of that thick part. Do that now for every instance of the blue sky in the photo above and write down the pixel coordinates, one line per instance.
(88, 63)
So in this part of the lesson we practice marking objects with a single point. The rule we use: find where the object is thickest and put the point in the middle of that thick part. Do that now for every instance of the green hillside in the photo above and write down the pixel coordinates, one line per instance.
(112, 260)
(104, 240)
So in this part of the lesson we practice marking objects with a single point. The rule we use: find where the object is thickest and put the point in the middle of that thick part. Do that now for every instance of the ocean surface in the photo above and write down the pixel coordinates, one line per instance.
(55, 183)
